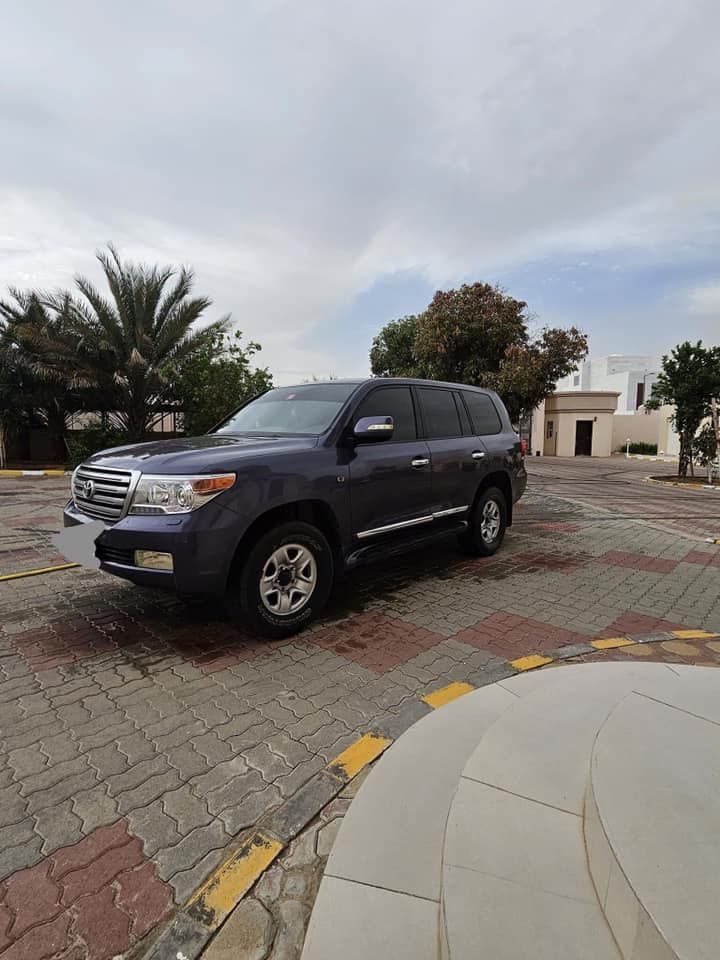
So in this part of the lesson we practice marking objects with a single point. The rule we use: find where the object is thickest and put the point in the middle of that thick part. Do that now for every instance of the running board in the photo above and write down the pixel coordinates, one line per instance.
(382, 548)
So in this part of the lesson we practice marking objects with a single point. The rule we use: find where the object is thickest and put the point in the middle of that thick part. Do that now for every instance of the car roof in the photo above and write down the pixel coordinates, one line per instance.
(394, 381)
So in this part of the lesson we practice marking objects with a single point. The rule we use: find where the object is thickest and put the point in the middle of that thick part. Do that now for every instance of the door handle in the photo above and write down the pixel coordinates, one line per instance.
(419, 462)
(478, 454)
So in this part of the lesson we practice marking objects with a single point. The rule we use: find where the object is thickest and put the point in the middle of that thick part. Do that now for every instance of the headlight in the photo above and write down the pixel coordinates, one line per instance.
(161, 495)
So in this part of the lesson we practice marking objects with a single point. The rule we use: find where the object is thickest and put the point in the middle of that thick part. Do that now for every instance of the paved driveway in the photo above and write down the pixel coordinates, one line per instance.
(139, 735)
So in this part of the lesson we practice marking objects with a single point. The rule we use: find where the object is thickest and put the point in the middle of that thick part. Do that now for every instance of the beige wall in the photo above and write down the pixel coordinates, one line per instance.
(639, 427)
(565, 409)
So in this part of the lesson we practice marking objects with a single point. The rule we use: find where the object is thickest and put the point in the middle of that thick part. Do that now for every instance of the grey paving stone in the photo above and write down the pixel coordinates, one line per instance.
(108, 760)
(62, 790)
(300, 775)
(219, 776)
(136, 747)
(137, 774)
(19, 857)
(187, 810)
(393, 725)
(290, 750)
(212, 748)
(271, 765)
(250, 809)
(191, 849)
(27, 760)
(95, 807)
(154, 827)
(147, 791)
(234, 791)
(53, 774)
(186, 760)
(59, 826)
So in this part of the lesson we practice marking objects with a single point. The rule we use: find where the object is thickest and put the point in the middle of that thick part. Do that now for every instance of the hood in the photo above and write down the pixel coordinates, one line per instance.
(208, 454)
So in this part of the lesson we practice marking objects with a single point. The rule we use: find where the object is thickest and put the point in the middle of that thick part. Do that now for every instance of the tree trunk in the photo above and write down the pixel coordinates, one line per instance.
(3, 451)
(685, 455)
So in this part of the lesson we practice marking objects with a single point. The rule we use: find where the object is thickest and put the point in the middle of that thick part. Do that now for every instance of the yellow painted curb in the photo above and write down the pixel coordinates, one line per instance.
(227, 885)
(38, 571)
(11, 473)
(438, 698)
(33, 473)
(611, 642)
(531, 662)
(358, 755)
(693, 635)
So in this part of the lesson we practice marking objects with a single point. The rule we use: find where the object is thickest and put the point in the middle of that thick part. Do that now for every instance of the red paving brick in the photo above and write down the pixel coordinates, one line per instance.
(638, 561)
(41, 943)
(79, 855)
(100, 872)
(33, 897)
(375, 641)
(706, 559)
(510, 636)
(104, 928)
(89, 901)
(631, 623)
(143, 897)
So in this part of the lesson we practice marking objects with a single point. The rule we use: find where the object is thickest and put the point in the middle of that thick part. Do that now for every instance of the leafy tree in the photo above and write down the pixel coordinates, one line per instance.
(393, 350)
(528, 372)
(689, 379)
(464, 334)
(479, 335)
(215, 379)
(27, 325)
(13, 410)
(118, 348)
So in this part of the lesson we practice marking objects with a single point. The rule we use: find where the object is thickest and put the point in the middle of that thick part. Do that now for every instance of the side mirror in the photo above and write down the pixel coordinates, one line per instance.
(372, 429)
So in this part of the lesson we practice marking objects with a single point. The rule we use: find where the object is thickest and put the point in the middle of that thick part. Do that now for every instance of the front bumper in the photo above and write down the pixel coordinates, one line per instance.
(202, 545)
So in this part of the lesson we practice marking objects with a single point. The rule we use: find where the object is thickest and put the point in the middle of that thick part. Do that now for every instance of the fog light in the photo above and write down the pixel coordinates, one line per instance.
(153, 560)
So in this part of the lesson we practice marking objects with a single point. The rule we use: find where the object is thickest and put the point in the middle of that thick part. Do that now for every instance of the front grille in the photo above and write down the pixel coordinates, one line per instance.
(106, 499)
(115, 555)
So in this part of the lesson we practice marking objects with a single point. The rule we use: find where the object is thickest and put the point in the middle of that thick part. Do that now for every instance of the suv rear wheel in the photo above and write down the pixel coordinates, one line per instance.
(285, 581)
(488, 523)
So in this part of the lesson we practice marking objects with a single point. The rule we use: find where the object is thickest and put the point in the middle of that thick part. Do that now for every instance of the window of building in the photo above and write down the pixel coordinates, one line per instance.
(640, 395)
(549, 430)
(576, 380)
(395, 402)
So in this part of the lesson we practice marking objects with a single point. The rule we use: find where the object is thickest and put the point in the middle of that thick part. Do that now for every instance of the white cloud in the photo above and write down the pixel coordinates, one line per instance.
(293, 152)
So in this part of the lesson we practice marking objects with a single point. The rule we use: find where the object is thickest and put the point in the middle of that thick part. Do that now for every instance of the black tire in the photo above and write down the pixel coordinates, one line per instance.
(244, 600)
(473, 541)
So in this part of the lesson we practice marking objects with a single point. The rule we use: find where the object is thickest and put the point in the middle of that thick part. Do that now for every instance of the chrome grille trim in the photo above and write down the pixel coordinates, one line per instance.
(113, 491)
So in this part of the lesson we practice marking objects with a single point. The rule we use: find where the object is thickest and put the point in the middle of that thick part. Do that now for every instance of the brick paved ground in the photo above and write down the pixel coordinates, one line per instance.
(138, 735)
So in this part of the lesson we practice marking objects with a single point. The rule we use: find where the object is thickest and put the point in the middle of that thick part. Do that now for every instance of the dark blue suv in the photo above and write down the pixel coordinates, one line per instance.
(299, 485)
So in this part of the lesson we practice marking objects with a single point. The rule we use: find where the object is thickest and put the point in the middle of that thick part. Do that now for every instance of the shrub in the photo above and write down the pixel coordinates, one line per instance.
(91, 439)
(640, 447)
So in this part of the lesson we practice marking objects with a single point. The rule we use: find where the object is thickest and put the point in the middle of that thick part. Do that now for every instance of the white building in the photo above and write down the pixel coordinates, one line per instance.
(629, 376)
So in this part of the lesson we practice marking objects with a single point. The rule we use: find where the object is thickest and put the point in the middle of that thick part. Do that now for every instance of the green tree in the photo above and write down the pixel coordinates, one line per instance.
(393, 350)
(215, 379)
(13, 409)
(27, 326)
(480, 335)
(118, 348)
(689, 379)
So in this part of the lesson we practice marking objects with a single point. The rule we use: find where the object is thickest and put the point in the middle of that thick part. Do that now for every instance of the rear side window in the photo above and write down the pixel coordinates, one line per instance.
(439, 413)
(395, 402)
(485, 418)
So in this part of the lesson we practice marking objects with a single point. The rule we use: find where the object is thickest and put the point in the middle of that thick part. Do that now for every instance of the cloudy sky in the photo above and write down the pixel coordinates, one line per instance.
(326, 165)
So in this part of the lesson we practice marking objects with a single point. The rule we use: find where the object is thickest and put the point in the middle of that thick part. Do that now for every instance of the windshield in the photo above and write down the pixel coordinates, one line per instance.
(308, 409)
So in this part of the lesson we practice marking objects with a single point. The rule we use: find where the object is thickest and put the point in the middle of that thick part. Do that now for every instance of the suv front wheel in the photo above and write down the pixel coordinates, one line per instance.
(488, 523)
(285, 581)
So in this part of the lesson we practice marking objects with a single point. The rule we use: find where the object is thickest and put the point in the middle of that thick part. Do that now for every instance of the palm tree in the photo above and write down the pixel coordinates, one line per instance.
(29, 384)
(118, 348)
